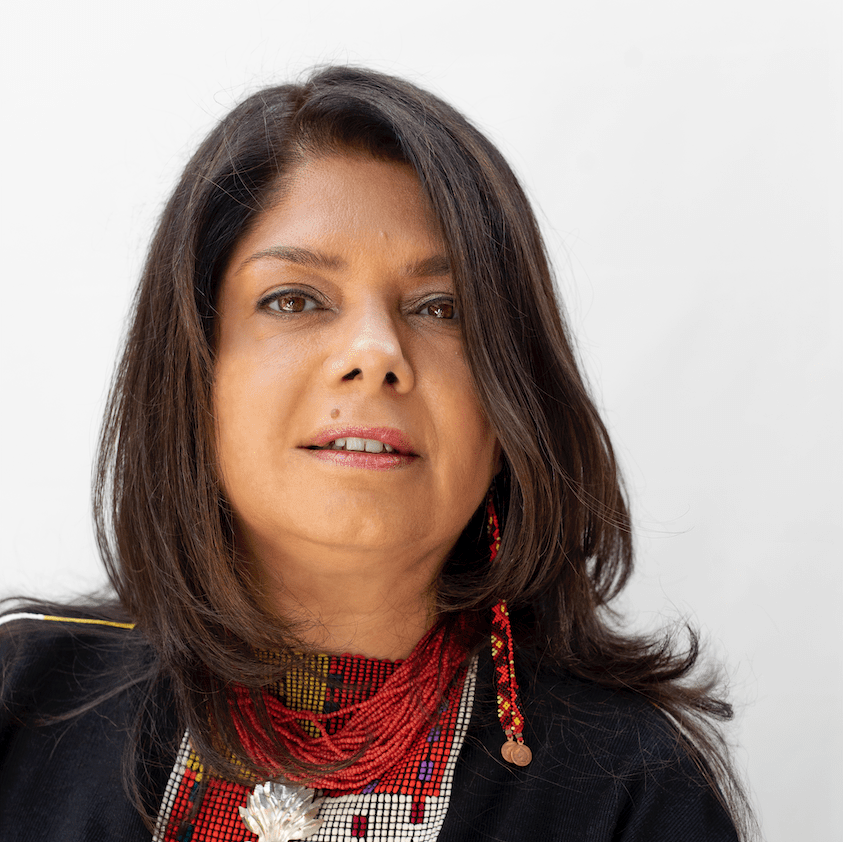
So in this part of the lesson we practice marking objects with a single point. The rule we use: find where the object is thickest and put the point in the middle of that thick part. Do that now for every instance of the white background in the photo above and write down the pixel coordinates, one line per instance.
(685, 163)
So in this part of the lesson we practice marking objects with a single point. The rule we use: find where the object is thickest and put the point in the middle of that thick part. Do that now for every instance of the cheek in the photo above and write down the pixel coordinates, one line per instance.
(243, 416)
(470, 421)
(231, 439)
(233, 393)
(254, 385)
(472, 443)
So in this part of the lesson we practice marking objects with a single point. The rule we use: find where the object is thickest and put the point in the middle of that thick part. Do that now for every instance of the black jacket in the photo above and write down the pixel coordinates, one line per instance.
(606, 766)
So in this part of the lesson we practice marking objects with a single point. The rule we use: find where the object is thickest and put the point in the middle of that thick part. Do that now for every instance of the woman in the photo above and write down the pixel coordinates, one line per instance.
(362, 520)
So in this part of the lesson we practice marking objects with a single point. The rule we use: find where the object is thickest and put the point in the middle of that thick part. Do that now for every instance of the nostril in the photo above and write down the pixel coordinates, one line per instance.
(352, 374)
(391, 378)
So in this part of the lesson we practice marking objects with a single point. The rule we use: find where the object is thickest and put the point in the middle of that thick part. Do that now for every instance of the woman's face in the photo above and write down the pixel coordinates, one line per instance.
(346, 416)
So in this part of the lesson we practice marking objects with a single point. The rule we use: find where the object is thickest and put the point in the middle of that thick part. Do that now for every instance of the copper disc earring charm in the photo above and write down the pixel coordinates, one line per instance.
(521, 754)
(516, 752)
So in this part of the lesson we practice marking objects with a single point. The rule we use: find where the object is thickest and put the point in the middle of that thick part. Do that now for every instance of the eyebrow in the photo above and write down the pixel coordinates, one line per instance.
(430, 267)
(299, 256)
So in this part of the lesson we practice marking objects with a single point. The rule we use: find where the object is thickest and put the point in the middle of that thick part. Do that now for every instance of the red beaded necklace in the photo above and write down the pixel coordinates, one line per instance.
(381, 729)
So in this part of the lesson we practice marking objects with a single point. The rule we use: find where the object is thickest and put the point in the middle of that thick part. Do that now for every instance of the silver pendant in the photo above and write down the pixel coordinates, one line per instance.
(279, 812)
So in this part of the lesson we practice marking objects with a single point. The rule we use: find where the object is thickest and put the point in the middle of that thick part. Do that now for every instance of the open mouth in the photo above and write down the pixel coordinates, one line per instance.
(356, 445)
(385, 445)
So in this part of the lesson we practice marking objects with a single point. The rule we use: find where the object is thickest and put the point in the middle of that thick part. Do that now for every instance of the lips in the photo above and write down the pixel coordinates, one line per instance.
(369, 448)
(363, 439)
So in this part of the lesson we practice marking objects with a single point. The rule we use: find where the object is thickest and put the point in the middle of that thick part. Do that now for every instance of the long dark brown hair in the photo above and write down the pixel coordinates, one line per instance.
(165, 531)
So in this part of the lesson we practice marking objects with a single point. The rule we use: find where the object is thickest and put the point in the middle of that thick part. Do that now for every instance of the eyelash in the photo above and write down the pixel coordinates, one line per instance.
(447, 302)
(267, 301)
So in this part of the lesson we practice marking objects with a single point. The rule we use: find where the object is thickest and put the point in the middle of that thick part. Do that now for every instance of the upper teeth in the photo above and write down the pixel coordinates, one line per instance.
(367, 445)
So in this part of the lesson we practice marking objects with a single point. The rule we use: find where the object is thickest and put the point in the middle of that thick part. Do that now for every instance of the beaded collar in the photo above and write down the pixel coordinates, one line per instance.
(409, 798)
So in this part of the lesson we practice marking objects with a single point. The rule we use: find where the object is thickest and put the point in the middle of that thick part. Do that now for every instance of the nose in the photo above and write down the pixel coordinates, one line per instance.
(368, 349)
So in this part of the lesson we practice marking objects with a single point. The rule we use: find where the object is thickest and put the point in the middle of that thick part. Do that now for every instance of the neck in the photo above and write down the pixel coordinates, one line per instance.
(355, 603)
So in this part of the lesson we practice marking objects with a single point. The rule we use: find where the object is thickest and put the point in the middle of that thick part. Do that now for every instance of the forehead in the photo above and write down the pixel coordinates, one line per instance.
(351, 195)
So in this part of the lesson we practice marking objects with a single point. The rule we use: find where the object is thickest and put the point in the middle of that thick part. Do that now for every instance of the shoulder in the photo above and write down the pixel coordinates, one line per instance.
(613, 729)
(73, 696)
(50, 659)
(607, 765)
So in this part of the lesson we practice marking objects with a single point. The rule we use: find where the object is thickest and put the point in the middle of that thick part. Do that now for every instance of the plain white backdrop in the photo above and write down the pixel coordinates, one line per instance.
(685, 164)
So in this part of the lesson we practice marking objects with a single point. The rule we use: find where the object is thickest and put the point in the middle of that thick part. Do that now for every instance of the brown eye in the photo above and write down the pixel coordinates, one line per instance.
(441, 309)
(289, 302)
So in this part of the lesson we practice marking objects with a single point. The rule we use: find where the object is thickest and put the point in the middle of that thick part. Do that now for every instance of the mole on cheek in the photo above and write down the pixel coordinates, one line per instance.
(335, 413)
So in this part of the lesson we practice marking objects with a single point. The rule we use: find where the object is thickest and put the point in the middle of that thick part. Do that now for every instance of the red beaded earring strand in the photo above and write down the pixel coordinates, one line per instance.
(514, 750)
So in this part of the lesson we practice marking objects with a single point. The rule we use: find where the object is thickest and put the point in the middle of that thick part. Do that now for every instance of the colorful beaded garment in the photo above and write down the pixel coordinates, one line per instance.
(409, 801)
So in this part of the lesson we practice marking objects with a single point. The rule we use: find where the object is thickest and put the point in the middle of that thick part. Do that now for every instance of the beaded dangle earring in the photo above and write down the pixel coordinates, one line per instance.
(514, 750)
